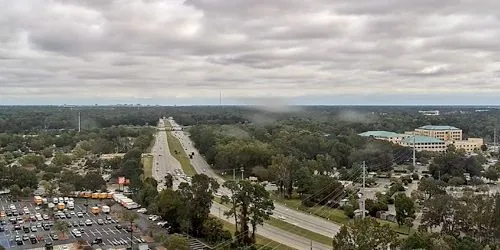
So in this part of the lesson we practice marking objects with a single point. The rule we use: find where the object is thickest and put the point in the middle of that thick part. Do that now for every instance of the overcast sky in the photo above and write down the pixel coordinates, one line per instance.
(294, 51)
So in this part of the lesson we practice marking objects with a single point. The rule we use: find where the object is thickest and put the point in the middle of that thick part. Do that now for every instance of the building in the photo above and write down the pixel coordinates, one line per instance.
(429, 138)
(424, 143)
(468, 145)
(442, 132)
(384, 135)
(429, 112)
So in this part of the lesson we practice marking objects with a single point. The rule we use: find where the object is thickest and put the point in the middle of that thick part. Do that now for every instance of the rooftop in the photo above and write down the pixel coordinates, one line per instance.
(438, 127)
(421, 139)
(379, 133)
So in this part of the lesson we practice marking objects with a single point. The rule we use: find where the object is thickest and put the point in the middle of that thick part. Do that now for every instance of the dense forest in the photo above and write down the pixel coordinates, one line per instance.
(21, 119)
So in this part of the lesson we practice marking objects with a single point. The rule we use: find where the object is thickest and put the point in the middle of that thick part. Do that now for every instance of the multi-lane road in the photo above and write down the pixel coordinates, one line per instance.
(164, 163)
(298, 218)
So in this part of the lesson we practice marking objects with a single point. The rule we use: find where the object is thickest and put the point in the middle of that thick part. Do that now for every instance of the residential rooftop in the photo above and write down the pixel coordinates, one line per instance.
(421, 139)
(439, 127)
(380, 134)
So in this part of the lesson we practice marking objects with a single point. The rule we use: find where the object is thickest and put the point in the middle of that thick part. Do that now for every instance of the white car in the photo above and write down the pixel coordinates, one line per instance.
(142, 210)
(282, 217)
(76, 233)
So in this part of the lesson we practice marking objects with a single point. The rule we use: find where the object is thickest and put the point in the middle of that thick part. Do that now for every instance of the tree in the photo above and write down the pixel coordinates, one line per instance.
(177, 242)
(430, 187)
(199, 196)
(172, 208)
(214, 232)
(405, 208)
(492, 174)
(66, 188)
(49, 186)
(61, 227)
(169, 181)
(94, 181)
(15, 191)
(364, 234)
(251, 204)
(130, 217)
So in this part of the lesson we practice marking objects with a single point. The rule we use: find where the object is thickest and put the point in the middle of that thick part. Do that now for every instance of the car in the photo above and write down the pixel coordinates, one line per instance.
(118, 226)
(72, 213)
(8, 213)
(17, 227)
(33, 229)
(76, 233)
(2, 229)
(26, 229)
(33, 239)
(282, 217)
(2, 222)
(46, 227)
(161, 223)
(26, 237)
(39, 225)
(97, 241)
(142, 210)
(49, 246)
(75, 223)
(88, 222)
(54, 236)
(15, 213)
(81, 223)
(129, 229)
(45, 217)
(33, 218)
(79, 214)
(100, 222)
(19, 241)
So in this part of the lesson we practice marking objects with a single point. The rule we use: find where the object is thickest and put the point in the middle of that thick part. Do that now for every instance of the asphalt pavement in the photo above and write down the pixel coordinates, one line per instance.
(107, 230)
(163, 161)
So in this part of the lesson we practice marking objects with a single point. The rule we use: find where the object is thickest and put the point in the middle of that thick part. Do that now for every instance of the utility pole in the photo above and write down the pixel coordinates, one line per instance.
(414, 158)
(311, 244)
(219, 213)
(220, 97)
(495, 137)
(363, 194)
(79, 122)
(242, 169)
(234, 173)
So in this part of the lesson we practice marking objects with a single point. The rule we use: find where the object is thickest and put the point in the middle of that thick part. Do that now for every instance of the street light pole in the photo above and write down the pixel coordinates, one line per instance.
(242, 169)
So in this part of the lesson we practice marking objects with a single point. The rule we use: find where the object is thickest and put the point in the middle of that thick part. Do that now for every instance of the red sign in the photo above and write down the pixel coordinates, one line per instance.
(121, 180)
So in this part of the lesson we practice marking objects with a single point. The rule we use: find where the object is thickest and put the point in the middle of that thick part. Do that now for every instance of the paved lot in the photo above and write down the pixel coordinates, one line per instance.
(110, 234)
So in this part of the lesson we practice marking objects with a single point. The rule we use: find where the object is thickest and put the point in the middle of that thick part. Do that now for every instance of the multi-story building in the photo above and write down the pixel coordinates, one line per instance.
(424, 143)
(442, 132)
(384, 135)
(429, 138)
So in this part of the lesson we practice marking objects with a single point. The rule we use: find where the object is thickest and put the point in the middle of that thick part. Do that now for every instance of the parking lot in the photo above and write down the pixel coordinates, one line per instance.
(102, 226)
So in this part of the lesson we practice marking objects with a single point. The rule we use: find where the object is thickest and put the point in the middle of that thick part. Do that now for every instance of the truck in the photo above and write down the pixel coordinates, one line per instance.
(95, 210)
(95, 196)
(103, 195)
(105, 209)
(38, 200)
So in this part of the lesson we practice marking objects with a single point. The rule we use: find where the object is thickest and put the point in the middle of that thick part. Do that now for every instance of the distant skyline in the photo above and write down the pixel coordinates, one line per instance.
(183, 52)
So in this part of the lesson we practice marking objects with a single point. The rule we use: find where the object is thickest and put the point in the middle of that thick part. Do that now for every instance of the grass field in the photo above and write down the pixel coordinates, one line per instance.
(147, 163)
(300, 231)
(260, 240)
(335, 215)
(175, 145)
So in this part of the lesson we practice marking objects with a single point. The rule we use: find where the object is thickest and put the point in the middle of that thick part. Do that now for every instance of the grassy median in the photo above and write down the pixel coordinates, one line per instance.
(178, 152)
(147, 165)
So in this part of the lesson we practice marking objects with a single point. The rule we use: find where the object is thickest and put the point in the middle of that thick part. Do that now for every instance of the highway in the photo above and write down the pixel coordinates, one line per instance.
(164, 163)
(298, 218)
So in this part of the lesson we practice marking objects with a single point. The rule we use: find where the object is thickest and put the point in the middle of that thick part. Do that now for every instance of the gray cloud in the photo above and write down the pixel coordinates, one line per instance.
(253, 50)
